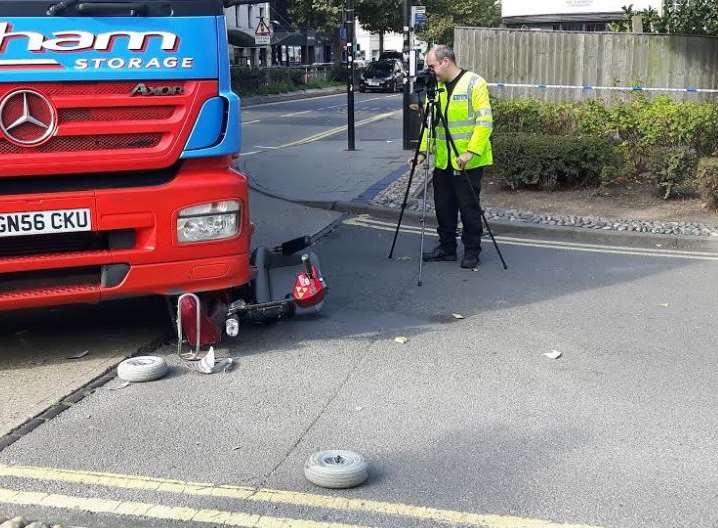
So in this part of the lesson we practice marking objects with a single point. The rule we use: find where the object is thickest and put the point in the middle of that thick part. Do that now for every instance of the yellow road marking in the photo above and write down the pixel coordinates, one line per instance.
(293, 498)
(363, 221)
(158, 511)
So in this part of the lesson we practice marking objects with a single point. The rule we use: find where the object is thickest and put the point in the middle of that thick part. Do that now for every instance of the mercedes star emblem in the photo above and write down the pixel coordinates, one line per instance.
(27, 118)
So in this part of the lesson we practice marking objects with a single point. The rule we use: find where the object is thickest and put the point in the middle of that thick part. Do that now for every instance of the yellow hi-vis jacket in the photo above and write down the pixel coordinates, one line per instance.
(470, 123)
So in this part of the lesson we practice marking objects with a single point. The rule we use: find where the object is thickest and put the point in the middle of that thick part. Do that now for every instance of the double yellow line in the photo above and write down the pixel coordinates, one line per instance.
(244, 493)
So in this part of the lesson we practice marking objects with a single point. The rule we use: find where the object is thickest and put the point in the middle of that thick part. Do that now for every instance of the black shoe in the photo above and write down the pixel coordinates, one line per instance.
(440, 254)
(470, 261)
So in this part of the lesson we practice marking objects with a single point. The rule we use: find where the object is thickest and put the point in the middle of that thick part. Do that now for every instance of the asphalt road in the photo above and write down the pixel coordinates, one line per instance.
(270, 126)
(466, 424)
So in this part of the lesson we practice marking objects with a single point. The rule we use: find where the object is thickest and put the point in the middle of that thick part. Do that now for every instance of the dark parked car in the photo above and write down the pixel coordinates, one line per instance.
(385, 75)
(392, 54)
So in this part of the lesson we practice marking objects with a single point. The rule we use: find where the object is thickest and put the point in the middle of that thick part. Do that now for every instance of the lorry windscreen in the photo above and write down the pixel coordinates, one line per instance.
(39, 8)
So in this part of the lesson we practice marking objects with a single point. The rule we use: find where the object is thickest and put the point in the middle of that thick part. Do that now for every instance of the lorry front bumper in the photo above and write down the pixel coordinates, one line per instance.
(132, 248)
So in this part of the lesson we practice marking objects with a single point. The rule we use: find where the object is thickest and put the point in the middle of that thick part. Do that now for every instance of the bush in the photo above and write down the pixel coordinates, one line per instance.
(707, 181)
(674, 171)
(548, 162)
(640, 124)
(658, 137)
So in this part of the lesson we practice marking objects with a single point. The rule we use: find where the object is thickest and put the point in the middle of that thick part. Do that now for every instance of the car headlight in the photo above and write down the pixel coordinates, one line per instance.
(212, 221)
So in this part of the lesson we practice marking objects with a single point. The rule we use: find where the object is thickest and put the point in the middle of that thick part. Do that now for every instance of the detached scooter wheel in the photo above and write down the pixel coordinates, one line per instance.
(142, 368)
(336, 469)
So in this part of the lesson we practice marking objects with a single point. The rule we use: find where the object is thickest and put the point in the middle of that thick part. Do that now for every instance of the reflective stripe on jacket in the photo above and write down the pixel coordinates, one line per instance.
(470, 123)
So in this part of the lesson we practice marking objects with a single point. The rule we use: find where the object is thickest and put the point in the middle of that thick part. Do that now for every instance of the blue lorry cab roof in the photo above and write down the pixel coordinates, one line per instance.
(176, 8)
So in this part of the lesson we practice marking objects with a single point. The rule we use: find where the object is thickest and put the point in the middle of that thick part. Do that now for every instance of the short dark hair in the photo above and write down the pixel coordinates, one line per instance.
(442, 51)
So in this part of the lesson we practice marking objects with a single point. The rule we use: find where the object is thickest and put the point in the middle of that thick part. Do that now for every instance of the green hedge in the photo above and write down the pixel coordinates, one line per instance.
(655, 141)
(548, 162)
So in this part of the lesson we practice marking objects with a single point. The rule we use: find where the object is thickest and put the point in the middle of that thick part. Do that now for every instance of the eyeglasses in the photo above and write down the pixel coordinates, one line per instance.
(432, 66)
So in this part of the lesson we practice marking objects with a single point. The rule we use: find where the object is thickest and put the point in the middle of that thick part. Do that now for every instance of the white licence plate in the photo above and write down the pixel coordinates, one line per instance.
(44, 222)
(373, 83)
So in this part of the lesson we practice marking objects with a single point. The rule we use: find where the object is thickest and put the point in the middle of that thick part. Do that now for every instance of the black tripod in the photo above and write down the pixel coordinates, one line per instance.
(433, 110)
(428, 127)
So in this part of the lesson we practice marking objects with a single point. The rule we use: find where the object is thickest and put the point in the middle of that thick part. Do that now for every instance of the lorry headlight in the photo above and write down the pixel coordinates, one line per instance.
(212, 221)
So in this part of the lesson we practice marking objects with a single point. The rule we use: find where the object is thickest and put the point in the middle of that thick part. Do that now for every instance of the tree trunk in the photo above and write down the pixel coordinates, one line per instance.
(338, 49)
(381, 42)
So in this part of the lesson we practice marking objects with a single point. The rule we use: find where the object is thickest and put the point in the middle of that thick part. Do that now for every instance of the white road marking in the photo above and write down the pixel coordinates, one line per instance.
(299, 113)
(334, 106)
(293, 101)
(371, 223)
(327, 133)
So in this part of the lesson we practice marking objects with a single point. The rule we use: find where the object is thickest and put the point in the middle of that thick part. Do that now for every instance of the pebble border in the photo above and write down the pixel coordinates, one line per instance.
(393, 196)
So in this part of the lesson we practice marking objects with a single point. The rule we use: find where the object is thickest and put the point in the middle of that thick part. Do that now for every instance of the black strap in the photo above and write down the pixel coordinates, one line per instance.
(450, 90)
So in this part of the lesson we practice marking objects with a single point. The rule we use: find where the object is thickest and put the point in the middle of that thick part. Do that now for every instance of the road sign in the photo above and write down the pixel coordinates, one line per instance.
(263, 34)
(418, 16)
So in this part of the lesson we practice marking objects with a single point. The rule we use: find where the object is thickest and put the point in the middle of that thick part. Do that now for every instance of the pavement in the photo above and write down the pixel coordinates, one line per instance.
(468, 423)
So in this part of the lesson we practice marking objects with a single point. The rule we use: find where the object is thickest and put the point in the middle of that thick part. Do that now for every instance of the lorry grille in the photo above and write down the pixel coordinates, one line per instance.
(102, 127)
(89, 143)
(56, 278)
(141, 113)
(63, 243)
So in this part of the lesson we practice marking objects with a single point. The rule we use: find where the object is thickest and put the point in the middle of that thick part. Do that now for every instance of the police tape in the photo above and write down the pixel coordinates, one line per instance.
(590, 88)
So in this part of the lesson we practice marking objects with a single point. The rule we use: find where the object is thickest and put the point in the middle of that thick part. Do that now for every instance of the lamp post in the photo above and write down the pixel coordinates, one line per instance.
(407, 93)
(350, 72)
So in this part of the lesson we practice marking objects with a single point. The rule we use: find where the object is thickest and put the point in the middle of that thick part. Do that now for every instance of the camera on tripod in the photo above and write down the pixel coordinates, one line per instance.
(426, 83)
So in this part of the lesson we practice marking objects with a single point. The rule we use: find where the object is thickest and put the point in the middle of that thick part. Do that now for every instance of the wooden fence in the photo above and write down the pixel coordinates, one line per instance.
(572, 66)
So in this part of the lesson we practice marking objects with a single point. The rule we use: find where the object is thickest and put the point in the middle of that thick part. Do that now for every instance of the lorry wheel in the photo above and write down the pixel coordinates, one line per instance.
(336, 469)
(142, 368)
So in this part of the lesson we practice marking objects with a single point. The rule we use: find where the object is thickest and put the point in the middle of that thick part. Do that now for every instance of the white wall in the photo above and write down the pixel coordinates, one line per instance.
(246, 17)
(369, 42)
(512, 8)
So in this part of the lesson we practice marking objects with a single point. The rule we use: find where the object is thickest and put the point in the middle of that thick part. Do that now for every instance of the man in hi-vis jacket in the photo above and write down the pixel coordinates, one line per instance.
(463, 98)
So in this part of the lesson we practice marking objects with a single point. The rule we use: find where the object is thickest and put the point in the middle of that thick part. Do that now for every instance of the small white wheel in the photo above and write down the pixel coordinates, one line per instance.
(336, 469)
(142, 368)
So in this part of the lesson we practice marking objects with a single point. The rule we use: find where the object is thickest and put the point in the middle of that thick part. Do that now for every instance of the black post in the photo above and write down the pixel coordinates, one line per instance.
(350, 73)
(407, 94)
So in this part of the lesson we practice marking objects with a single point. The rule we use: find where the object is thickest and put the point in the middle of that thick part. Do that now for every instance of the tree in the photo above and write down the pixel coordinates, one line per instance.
(325, 16)
(687, 17)
(380, 16)
(444, 15)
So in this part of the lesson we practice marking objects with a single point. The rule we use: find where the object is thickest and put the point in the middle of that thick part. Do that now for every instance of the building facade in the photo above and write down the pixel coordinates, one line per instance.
(569, 15)
(368, 44)
(242, 21)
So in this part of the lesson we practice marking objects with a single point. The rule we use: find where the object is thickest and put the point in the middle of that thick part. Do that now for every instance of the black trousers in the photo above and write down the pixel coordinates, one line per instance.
(451, 196)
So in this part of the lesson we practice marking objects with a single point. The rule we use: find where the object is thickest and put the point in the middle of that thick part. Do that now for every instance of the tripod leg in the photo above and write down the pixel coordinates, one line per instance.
(423, 222)
(431, 114)
(408, 188)
(496, 245)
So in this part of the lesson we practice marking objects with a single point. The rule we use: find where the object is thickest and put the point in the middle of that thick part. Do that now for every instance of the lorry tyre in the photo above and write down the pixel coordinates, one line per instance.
(336, 469)
(142, 368)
